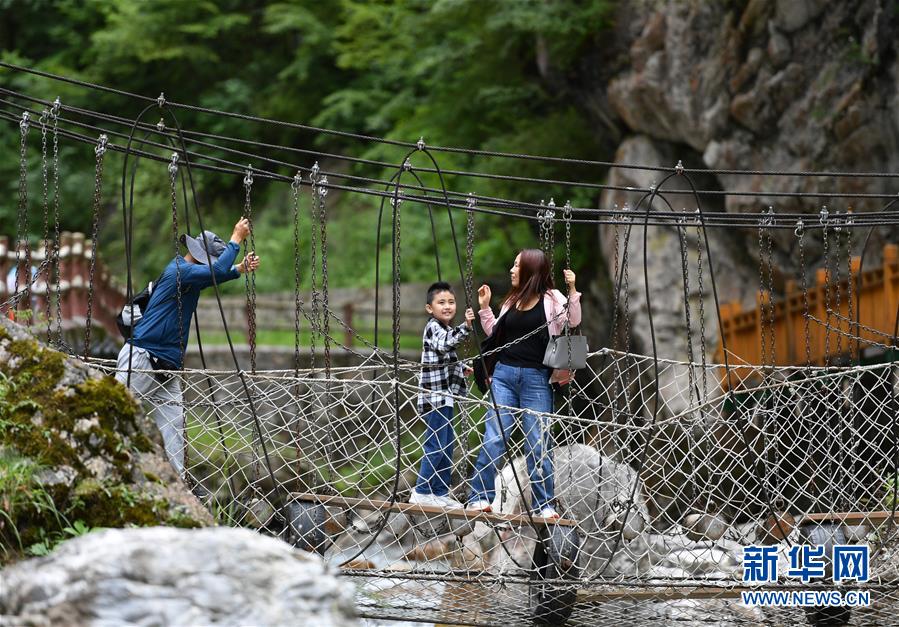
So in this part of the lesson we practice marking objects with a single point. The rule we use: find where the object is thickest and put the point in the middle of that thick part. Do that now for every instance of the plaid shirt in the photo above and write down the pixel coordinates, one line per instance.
(439, 376)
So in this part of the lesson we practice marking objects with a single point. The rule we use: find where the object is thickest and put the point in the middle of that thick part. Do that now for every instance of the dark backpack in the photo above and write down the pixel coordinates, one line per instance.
(141, 302)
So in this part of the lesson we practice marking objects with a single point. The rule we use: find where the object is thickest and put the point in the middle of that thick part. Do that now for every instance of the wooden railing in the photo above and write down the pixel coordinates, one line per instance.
(75, 255)
(871, 316)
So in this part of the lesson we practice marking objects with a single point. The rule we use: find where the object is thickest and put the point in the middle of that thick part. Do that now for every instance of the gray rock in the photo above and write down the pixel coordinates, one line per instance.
(62, 475)
(164, 576)
(791, 15)
(590, 488)
(689, 59)
(663, 256)
(779, 48)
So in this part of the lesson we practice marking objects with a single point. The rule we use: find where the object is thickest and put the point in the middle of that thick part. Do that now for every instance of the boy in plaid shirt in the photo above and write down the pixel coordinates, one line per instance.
(441, 375)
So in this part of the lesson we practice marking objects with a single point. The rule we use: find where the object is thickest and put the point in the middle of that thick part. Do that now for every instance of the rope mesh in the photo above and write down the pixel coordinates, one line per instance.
(821, 442)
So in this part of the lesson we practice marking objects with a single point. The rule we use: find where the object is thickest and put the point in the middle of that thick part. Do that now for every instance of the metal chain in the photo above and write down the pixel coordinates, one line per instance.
(396, 202)
(295, 191)
(827, 281)
(703, 467)
(615, 333)
(769, 254)
(566, 216)
(541, 226)
(173, 173)
(99, 153)
(685, 270)
(691, 377)
(320, 192)
(250, 287)
(702, 347)
(850, 281)
(250, 276)
(550, 216)
(838, 281)
(764, 331)
(54, 113)
(45, 205)
(322, 186)
(467, 419)
(850, 312)
(827, 391)
(615, 267)
(313, 210)
(625, 265)
(22, 215)
(799, 232)
(469, 248)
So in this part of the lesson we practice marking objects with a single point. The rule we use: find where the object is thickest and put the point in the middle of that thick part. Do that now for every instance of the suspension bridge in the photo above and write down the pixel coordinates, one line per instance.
(777, 430)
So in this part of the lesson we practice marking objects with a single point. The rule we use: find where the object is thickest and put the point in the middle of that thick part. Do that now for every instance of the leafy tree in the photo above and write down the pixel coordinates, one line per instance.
(486, 75)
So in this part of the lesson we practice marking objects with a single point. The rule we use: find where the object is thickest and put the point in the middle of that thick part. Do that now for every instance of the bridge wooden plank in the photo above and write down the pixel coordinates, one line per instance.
(852, 517)
(432, 510)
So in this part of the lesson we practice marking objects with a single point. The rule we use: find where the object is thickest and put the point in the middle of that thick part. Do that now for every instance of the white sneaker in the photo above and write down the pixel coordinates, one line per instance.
(449, 503)
(417, 498)
(549, 512)
(479, 506)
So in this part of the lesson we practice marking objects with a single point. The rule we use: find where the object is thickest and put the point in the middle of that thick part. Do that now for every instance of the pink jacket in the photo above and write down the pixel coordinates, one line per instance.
(553, 305)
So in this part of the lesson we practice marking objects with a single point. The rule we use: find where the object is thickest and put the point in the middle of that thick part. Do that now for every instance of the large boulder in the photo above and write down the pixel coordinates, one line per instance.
(76, 453)
(768, 85)
(167, 576)
(589, 487)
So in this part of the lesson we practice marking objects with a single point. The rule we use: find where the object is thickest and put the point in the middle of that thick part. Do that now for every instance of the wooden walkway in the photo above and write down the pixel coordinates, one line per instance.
(853, 517)
(517, 520)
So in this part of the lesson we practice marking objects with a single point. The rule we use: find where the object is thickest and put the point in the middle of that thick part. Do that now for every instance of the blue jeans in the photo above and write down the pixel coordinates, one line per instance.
(525, 388)
(437, 460)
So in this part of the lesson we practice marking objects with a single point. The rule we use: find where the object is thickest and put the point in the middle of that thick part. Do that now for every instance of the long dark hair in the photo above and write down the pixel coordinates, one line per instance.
(534, 277)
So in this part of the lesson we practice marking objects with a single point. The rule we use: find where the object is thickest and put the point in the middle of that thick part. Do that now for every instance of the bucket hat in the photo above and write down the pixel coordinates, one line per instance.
(197, 248)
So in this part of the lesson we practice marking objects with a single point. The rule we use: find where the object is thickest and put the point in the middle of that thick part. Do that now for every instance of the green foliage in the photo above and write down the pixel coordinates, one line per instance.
(889, 493)
(49, 540)
(459, 72)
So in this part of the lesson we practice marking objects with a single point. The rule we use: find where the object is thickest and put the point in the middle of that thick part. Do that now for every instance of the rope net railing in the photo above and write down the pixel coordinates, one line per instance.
(663, 510)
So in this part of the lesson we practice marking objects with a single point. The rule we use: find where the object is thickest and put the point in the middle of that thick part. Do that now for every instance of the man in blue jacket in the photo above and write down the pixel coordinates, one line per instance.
(159, 338)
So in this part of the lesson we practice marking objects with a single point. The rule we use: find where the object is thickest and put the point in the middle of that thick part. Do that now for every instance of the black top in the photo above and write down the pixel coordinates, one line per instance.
(527, 353)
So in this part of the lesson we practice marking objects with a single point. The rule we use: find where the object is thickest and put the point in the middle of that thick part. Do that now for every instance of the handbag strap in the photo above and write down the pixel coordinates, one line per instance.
(566, 326)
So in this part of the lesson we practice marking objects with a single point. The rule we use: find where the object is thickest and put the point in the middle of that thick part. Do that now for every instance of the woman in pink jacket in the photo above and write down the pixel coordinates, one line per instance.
(520, 380)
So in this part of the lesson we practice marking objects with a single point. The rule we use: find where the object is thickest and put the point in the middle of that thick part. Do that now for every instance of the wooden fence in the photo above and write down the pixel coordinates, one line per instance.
(22, 265)
(870, 317)
(354, 306)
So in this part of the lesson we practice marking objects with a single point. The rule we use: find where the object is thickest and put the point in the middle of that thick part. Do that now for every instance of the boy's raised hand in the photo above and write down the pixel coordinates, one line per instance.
(484, 295)
(469, 317)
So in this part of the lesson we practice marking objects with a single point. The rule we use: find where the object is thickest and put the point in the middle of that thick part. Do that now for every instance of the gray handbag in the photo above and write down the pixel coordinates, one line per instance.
(566, 352)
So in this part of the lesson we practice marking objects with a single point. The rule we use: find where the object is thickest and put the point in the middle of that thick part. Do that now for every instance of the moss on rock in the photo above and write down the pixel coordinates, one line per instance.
(86, 445)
